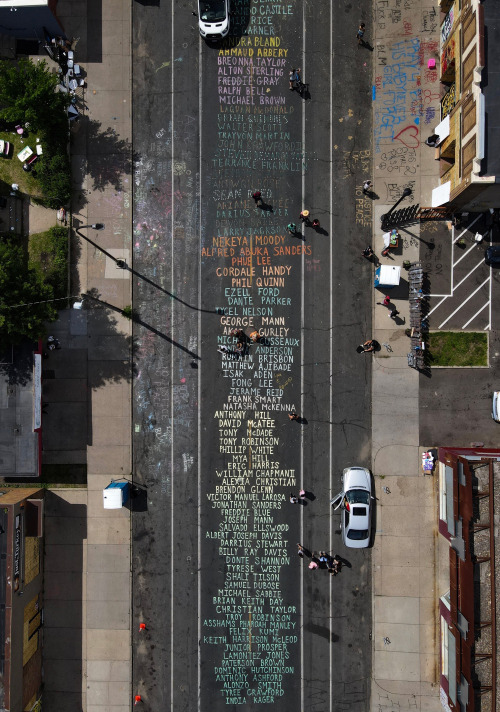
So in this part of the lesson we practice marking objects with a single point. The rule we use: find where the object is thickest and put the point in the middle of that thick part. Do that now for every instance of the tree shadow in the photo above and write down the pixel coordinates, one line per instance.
(119, 350)
(92, 300)
(16, 362)
(110, 157)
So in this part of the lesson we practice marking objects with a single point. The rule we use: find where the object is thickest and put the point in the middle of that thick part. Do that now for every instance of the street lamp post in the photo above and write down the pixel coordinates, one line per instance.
(120, 262)
(384, 218)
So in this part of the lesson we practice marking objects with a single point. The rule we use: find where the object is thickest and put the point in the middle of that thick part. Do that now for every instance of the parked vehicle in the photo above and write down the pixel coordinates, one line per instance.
(213, 19)
(355, 503)
(495, 413)
(492, 255)
(4, 148)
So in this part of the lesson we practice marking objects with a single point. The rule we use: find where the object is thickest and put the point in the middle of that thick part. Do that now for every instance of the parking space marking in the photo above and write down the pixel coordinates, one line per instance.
(477, 314)
(456, 286)
(468, 227)
(463, 303)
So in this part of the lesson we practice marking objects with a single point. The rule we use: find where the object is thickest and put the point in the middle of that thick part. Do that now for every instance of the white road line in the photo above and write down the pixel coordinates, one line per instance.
(463, 303)
(330, 527)
(476, 314)
(465, 254)
(302, 362)
(172, 302)
(469, 227)
(479, 264)
(438, 305)
(491, 288)
(198, 348)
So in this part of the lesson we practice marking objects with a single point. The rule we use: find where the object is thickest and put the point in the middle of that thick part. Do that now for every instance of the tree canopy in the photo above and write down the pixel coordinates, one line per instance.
(22, 285)
(27, 94)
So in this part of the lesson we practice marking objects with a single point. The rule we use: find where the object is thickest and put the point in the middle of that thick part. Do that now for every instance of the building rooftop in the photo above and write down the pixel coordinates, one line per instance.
(20, 411)
(491, 87)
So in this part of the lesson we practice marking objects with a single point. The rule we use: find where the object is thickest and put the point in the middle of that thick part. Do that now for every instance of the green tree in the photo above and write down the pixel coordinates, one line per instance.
(27, 94)
(20, 284)
(54, 175)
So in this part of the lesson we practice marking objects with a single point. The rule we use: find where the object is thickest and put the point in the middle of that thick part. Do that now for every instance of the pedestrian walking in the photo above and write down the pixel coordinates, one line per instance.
(293, 498)
(294, 79)
(360, 33)
(301, 550)
(304, 216)
(302, 494)
(257, 196)
(367, 186)
(335, 566)
(254, 336)
(386, 302)
(393, 313)
(239, 333)
(316, 224)
(293, 415)
(368, 253)
(313, 565)
(292, 228)
(224, 349)
(367, 346)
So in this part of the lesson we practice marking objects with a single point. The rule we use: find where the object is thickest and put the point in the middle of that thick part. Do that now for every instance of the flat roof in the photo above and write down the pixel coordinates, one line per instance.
(19, 443)
(491, 87)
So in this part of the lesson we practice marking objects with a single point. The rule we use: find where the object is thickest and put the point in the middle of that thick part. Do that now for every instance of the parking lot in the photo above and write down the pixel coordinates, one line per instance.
(460, 281)
(455, 403)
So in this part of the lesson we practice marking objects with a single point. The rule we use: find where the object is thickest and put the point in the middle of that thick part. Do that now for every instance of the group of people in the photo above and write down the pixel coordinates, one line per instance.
(241, 348)
(305, 220)
(321, 560)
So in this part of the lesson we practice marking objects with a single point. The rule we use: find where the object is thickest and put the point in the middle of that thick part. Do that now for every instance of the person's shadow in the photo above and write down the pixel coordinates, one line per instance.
(265, 207)
(321, 231)
(366, 45)
(344, 562)
(372, 195)
(301, 420)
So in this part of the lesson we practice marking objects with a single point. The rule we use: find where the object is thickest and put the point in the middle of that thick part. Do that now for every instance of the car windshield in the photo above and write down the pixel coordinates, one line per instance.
(212, 10)
(357, 496)
(357, 534)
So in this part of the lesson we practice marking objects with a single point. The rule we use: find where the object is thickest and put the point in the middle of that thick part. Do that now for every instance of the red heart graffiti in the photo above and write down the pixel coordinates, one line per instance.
(410, 140)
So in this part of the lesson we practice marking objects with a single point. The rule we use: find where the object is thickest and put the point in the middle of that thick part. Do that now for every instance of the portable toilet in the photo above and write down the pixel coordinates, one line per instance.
(116, 495)
(387, 276)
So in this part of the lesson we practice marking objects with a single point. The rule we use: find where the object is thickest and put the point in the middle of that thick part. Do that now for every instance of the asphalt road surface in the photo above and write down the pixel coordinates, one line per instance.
(234, 617)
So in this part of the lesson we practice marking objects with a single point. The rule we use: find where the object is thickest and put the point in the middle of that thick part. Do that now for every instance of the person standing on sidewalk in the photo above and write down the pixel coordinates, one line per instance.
(367, 186)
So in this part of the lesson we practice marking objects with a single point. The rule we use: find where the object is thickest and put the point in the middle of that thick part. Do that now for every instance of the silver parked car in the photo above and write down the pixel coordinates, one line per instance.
(355, 502)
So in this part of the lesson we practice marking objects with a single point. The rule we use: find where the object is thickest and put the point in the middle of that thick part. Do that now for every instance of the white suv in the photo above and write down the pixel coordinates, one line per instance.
(213, 18)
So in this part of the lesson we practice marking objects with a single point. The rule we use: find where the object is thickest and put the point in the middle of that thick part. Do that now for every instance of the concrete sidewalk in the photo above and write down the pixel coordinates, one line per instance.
(405, 554)
(93, 395)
